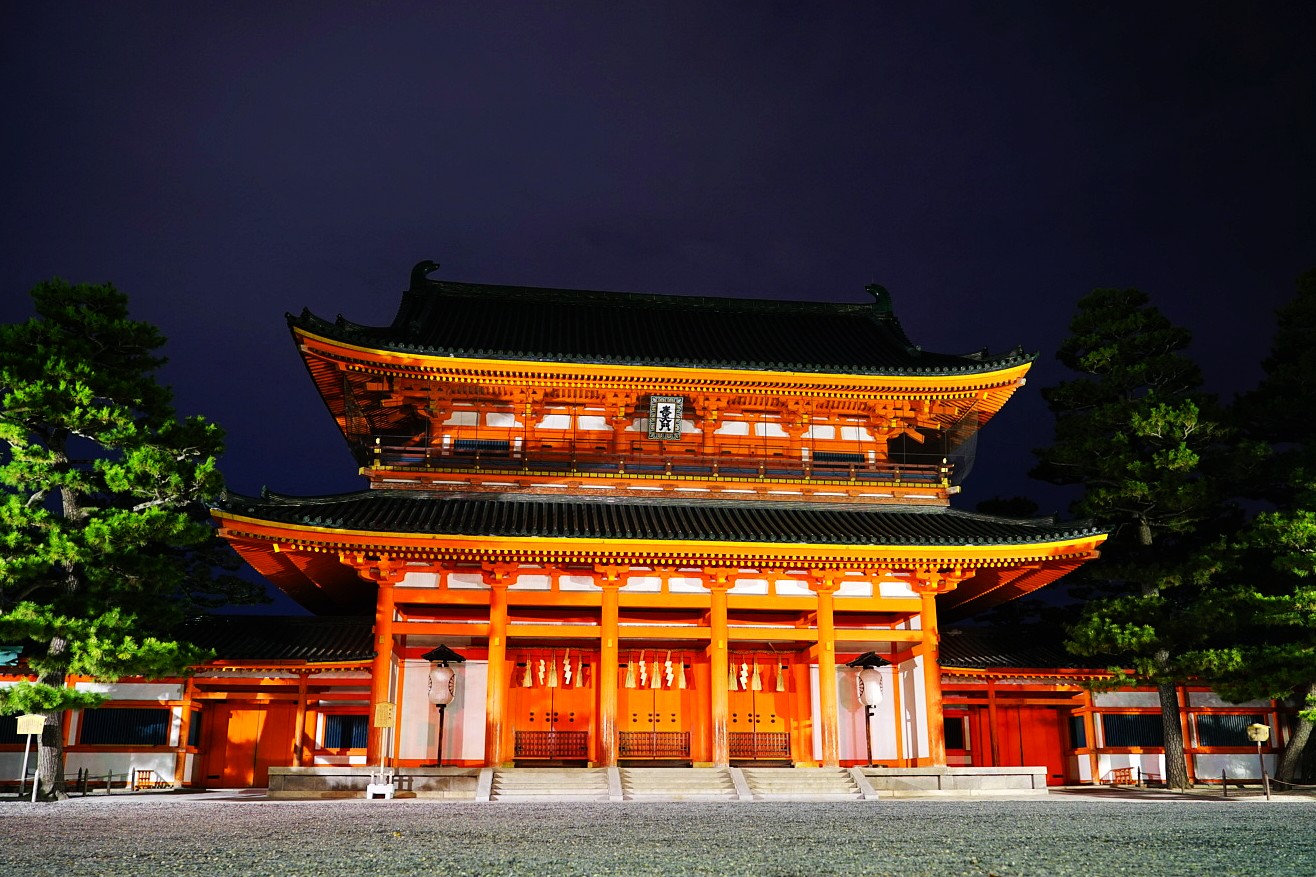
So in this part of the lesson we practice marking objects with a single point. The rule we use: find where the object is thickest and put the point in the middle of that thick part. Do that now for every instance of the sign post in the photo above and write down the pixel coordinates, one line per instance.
(1259, 733)
(381, 784)
(30, 725)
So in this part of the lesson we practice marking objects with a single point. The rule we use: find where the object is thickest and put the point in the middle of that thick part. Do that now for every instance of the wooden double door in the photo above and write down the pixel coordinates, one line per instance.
(241, 742)
(552, 721)
(759, 722)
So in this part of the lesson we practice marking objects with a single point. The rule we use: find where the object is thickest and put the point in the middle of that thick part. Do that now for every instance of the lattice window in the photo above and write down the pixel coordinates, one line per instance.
(127, 726)
(1132, 729)
(1224, 729)
(345, 732)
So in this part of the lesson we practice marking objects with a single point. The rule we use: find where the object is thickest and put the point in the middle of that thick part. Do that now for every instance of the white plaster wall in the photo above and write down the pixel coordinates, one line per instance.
(1210, 698)
(420, 580)
(895, 588)
(815, 710)
(466, 580)
(792, 588)
(418, 722)
(850, 588)
(913, 703)
(1148, 763)
(157, 691)
(643, 584)
(679, 585)
(854, 724)
(749, 586)
(533, 582)
(1238, 766)
(501, 419)
(555, 421)
(109, 761)
(465, 723)
(577, 583)
(733, 427)
(592, 423)
(462, 418)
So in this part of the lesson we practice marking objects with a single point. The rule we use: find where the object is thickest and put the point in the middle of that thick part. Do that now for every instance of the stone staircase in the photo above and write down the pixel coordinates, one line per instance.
(801, 784)
(550, 784)
(677, 784)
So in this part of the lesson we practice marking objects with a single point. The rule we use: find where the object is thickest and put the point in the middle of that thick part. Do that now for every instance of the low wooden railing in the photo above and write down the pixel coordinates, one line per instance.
(759, 745)
(552, 745)
(658, 745)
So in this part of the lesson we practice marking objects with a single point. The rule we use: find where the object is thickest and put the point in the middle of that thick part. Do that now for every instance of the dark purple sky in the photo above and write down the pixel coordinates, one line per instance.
(988, 162)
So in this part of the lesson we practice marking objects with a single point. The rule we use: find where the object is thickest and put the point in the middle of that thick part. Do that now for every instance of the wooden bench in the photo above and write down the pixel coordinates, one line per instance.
(1130, 776)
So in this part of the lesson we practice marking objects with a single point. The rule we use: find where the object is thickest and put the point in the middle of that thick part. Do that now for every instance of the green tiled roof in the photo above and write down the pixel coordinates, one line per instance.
(280, 638)
(1032, 646)
(441, 318)
(408, 511)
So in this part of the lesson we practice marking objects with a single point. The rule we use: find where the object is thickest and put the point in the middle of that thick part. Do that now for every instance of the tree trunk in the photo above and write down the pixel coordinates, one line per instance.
(50, 758)
(1291, 757)
(1176, 765)
(50, 754)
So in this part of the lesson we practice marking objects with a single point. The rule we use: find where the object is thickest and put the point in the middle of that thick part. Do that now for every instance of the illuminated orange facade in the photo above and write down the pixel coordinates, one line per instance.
(657, 528)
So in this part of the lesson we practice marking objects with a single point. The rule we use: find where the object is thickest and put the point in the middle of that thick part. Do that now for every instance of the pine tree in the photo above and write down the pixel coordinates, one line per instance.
(1266, 600)
(1136, 434)
(105, 539)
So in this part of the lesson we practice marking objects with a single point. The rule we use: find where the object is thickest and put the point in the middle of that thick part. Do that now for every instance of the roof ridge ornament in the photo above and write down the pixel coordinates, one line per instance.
(421, 271)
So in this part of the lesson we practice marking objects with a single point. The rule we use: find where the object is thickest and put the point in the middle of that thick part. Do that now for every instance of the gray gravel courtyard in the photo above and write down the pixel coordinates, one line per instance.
(221, 835)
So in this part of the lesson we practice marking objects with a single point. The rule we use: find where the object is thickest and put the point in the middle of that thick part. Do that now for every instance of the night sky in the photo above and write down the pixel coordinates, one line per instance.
(989, 163)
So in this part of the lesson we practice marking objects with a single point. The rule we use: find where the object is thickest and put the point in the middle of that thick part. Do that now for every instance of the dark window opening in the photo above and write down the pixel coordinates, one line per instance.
(1141, 729)
(132, 726)
(345, 732)
(1217, 729)
(9, 730)
(957, 732)
(1078, 733)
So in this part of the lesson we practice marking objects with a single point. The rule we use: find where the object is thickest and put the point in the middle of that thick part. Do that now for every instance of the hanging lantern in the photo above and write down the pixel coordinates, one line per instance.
(630, 673)
(781, 677)
(443, 684)
(756, 681)
(870, 686)
(552, 671)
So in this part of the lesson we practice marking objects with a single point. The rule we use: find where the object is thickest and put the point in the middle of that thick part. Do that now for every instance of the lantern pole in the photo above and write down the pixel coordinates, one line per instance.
(442, 688)
(870, 692)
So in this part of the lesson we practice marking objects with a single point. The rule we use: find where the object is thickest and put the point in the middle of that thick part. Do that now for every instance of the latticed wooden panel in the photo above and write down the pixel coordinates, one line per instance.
(655, 744)
(552, 744)
(751, 745)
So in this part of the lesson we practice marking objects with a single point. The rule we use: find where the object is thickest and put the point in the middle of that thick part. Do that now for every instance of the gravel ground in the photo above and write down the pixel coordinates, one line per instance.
(218, 835)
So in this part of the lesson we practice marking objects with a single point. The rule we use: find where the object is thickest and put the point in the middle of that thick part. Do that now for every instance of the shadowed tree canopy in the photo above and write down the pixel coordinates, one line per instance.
(105, 538)
(1265, 601)
(1134, 431)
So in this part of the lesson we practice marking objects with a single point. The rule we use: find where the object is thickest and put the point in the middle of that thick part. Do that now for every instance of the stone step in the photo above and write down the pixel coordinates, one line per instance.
(677, 784)
(801, 784)
(550, 784)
